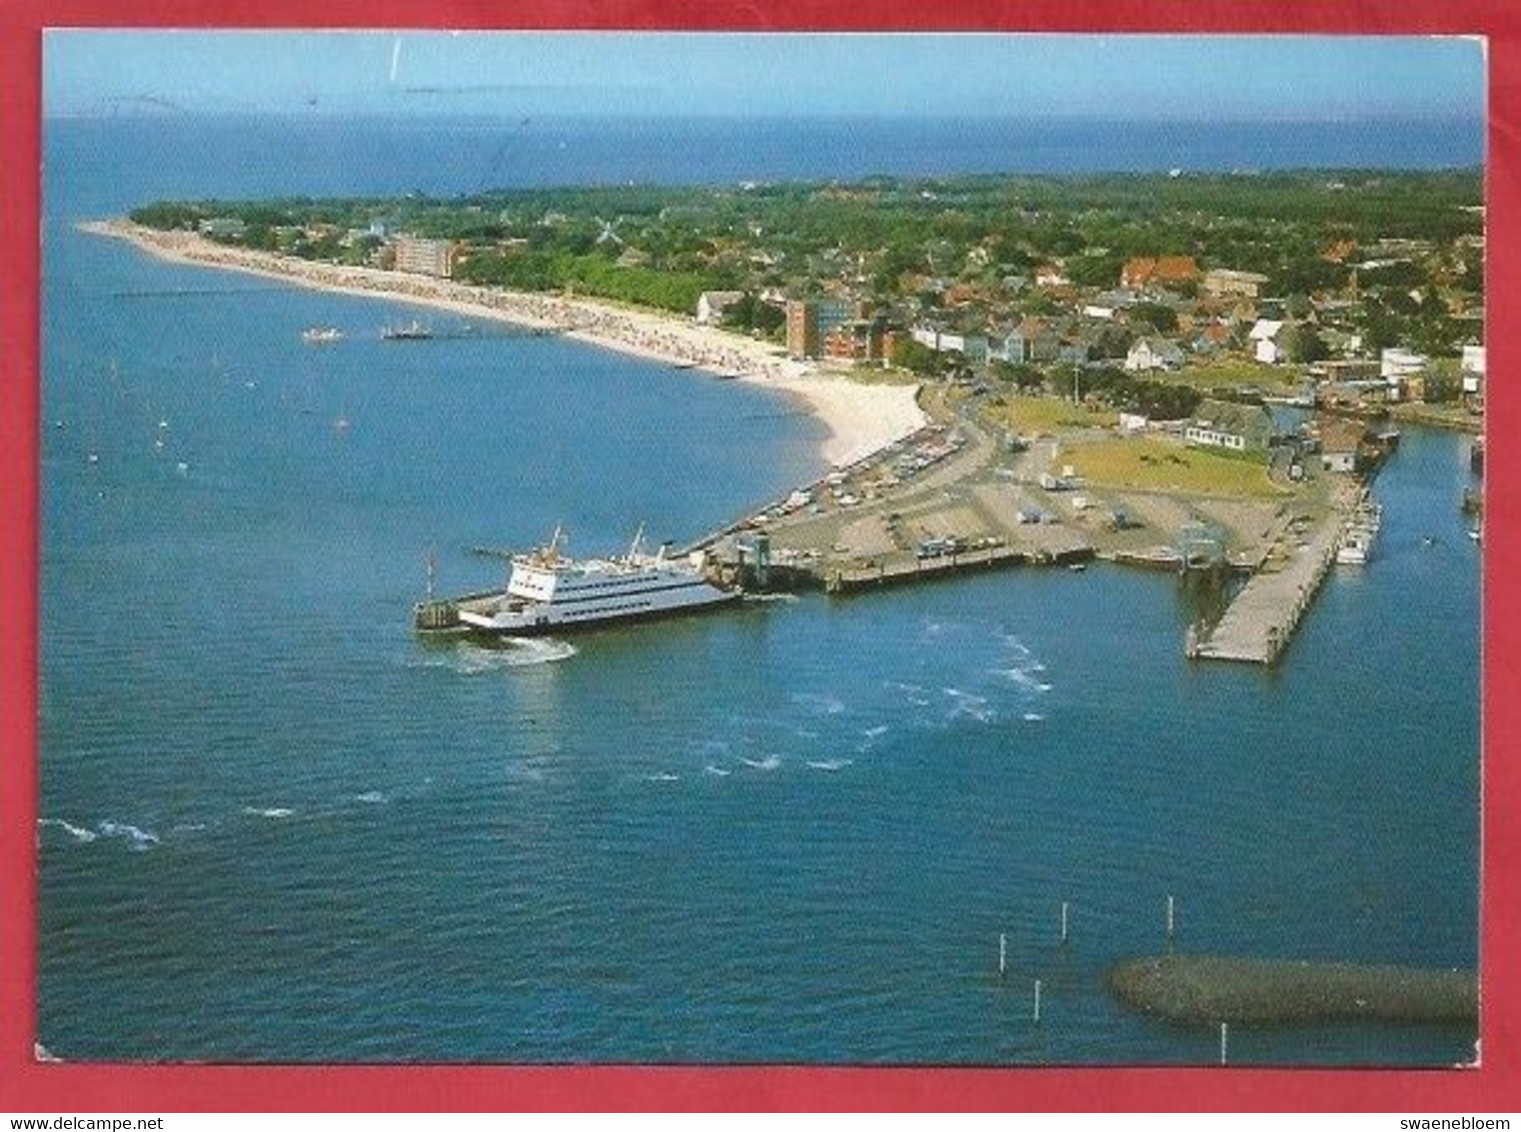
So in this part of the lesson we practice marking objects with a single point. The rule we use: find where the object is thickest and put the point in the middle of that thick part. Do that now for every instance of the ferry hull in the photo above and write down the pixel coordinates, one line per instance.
(478, 626)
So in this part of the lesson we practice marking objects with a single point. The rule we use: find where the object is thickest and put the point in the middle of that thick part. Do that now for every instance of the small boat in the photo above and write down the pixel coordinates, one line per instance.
(413, 331)
(318, 335)
(1357, 539)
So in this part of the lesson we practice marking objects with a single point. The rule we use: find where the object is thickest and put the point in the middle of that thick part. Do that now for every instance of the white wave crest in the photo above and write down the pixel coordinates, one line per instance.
(876, 732)
(74, 831)
(274, 812)
(662, 776)
(468, 658)
(134, 837)
(965, 705)
(1033, 717)
(831, 764)
(717, 771)
(372, 798)
(770, 762)
(1023, 678)
(819, 702)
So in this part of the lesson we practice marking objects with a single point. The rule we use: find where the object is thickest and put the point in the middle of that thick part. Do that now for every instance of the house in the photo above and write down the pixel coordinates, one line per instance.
(1153, 353)
(1050, 275)
(1146, 272)
(1213, 338)
(973, 347)
(1267, 340)
(712, 304)
(1339, 251)
(1033, 340)
(1339, 442)
(1221, 283)
(1396, 364)
(1236, 428)
(1473, 370)
(223, 228)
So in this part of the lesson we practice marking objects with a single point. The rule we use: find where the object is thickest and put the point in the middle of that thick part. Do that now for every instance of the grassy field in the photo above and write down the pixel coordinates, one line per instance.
(1155, 465)
(1224, 374)
(1045, 414)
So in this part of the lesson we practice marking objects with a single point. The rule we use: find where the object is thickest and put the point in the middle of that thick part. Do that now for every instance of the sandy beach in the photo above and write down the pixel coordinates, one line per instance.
(861, 418)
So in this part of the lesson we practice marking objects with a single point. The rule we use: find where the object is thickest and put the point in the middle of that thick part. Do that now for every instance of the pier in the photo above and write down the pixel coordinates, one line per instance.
(856, 577)
(1260, 622)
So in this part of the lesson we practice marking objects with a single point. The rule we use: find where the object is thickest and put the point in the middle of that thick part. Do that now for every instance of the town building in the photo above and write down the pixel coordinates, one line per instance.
(223, 228)
(425, 257)
(1236, 428)
(858, 340)
(1396, 364)
(1340, 442)
(1147, 272)
(1153, 353)
(1268, 340)
(810, 320)
(1473, 371)
(712, 304)
(1033, 340)
(1222, 283)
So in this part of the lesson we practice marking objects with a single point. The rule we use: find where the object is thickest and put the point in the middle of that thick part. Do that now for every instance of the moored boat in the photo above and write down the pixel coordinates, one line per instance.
(413, 331)
(1357, 538)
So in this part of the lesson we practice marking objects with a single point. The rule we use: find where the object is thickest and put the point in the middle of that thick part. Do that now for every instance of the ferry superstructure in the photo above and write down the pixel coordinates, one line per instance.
(550, 592)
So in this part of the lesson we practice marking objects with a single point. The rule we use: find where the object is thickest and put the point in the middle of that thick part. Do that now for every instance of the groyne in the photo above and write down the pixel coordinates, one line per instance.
(1207, 990)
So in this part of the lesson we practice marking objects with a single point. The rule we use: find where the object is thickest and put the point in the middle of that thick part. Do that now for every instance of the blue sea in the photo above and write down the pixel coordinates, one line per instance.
(277, 826)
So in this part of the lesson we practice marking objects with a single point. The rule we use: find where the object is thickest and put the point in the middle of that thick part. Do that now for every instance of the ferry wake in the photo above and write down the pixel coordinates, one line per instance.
(550, 592)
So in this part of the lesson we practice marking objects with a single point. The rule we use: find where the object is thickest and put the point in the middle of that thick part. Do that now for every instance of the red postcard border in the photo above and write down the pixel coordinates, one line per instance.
(26, 1086)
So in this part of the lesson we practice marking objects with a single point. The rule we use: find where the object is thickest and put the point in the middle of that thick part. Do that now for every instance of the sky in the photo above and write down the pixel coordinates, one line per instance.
(656, 74)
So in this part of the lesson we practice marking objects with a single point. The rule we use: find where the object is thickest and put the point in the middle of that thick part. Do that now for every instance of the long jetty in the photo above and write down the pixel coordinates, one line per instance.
(1260, 622)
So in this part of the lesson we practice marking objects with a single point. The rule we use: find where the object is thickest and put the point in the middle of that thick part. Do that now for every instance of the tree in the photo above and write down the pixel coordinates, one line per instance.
(1305, 345)
(1158, 316)
(1442, 388)
(916, 356)
(1021, 375)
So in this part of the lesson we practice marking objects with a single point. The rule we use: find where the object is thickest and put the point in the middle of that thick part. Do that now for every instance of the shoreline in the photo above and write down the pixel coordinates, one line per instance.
(862, 419)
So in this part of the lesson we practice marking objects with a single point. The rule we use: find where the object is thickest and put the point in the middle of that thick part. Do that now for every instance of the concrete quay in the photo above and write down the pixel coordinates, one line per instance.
(1259, 623)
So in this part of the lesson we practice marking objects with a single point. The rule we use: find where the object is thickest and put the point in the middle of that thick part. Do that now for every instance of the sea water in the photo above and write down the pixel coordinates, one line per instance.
(275, 825)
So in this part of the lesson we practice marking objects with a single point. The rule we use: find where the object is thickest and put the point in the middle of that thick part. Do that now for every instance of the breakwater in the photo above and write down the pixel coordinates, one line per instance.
(1207, 989)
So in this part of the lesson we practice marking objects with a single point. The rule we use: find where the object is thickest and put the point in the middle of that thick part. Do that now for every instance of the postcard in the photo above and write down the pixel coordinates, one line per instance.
(760, 549)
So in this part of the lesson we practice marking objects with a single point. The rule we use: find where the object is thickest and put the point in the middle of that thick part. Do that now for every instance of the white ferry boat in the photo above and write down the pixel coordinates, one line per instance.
(317, 335)
(549, 592)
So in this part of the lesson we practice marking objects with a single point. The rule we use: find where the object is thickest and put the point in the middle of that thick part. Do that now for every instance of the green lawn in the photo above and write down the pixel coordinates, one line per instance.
(1155, 465)
(1226, 373)
(1026, 415)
